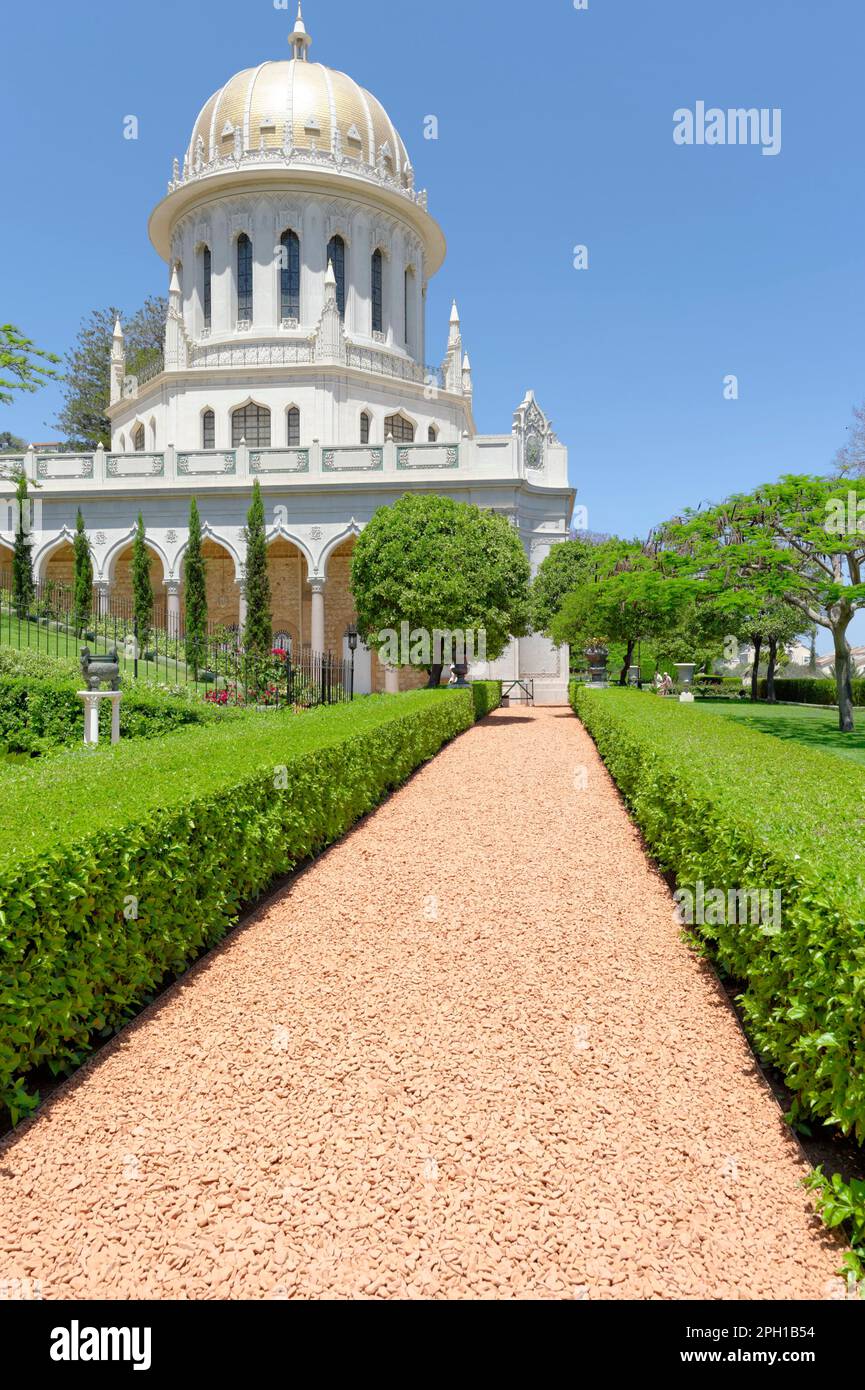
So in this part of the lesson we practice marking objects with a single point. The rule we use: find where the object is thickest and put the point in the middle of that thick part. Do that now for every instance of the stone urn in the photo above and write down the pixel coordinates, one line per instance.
(461, 670)
(685, 673)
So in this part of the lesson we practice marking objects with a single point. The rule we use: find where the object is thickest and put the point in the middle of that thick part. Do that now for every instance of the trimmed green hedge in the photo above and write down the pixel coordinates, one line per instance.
(487, 696)
(119, 872)
(38, 715)
(729, 807)
(812, 692)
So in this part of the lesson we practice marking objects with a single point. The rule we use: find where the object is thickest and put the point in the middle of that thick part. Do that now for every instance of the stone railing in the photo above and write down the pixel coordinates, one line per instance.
(55, 474)
(289, 156)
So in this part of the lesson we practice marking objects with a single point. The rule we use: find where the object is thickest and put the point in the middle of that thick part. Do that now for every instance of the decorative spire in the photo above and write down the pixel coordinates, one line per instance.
(299, 39)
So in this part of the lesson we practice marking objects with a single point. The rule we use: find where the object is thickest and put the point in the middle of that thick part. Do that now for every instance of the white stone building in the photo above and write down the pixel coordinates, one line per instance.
(299, 253)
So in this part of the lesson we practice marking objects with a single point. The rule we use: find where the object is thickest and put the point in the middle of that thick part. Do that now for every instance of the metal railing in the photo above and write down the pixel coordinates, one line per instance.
(217, 667)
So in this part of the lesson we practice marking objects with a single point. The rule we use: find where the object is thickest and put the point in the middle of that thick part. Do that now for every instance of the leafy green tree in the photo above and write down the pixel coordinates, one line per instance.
(11, 443)
(142, 587)
(569, 566)
(258, 633)
(800, 540)
(83, 587)
(21, 364)
(627, 607)
(779, 625)
(195, 593)
(23, 584)
(87, 387)
(441, 567)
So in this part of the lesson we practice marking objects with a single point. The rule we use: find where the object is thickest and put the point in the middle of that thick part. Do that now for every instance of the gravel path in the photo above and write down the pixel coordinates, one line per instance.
(465, 1054)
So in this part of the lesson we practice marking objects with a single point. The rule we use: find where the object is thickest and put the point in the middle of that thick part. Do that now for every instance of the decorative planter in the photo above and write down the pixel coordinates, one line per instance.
(461, 670)
(633, 675)
(685, 672)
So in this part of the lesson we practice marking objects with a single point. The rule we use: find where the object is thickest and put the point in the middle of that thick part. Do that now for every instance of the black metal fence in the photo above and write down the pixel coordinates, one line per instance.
(218, 668)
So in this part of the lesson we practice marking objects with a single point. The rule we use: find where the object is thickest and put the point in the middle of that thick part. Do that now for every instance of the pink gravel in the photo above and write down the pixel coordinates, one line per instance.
(465, 1055)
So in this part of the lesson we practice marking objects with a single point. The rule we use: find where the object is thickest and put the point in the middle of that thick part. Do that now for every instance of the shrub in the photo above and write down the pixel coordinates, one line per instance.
(119, 872)
(487, 696)
(42, 714)
(721, 804)
(812, 691)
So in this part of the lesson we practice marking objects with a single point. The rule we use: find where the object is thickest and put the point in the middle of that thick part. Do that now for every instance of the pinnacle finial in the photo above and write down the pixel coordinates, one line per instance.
(455, 314)
(299, 39)
(118, 328)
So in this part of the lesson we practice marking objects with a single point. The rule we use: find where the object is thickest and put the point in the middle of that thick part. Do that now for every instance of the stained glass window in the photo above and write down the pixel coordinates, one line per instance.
(401, 429)
(252, 423)
(377, 293)
(244, 277)
(336, 256)
(289, 276)
(207, 285)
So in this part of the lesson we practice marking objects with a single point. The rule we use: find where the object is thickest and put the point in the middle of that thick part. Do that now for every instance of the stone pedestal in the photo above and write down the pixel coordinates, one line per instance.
(91, 700)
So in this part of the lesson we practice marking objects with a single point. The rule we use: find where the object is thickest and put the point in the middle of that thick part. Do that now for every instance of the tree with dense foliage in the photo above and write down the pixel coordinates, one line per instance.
(569, 566)
(636, 604)
(87, 382)
(195, 594)
(12, 443)
(22, 364)
(23, 584)
(258, 632)
(800, 540)
(142, 587)
(440, 566)
(83, 583)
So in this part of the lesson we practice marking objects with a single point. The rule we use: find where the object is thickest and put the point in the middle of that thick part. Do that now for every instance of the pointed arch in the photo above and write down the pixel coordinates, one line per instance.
(116, 549)
(350, 532)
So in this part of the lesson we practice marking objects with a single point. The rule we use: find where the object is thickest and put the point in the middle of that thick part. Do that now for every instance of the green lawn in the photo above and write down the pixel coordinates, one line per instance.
(815, 728)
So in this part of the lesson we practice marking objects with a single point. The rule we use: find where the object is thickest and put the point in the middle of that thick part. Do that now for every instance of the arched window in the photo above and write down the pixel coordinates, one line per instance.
(407, 285)
(289, 276)
(364, 427)
(244, 278)
(252, 423)
(401, 429)
(377, 293)
(336, 257)
(207, 285)
(432, 434)
(293, 428)
(138, 439)
(208, 430)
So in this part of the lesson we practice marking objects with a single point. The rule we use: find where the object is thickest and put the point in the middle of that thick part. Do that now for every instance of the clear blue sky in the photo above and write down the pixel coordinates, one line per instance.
(555, 129)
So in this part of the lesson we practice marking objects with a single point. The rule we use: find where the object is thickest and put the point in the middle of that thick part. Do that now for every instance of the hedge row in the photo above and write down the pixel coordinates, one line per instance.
(812, 692)
(487, 696)
(119, 872)
(38, 715)
(723, 805)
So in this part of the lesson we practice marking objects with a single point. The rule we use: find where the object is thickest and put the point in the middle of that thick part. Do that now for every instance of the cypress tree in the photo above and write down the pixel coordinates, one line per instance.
(23, 585)
(142, 589)
(195, 591)
(83, 593)
(258, 633)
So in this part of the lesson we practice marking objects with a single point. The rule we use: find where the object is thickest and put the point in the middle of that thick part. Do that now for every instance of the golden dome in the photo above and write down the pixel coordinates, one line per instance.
(318, 107)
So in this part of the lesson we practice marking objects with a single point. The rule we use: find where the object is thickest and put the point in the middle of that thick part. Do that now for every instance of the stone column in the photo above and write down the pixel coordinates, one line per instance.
(172, 591)
(103, 589)
(241, 605)
(317, 585)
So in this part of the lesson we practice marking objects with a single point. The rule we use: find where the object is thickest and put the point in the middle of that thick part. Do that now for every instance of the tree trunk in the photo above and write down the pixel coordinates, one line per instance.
(755, 669)
(770, 673)
(435, 675)
(629, 661)
(844, 682)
